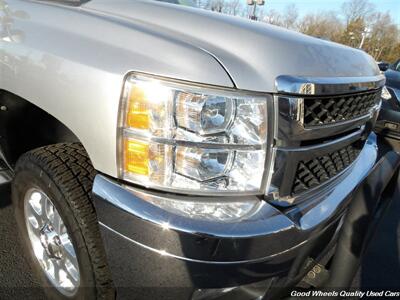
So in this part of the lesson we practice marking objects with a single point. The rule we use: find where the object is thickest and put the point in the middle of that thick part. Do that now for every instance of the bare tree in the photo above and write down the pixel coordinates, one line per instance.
(273, 17)
(229, 7)
(394, 54)
(217, 5)
(213, 5)
(234, 7)
(383, 34)
(288, 19)
(322, 25)
(290, 16)
(353, 33)
(357, 9)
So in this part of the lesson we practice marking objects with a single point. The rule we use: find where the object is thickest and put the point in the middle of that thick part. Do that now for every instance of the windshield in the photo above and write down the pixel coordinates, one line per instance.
(181, 2)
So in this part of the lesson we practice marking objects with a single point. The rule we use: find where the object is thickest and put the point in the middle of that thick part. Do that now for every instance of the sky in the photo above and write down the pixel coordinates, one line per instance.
(312, 6)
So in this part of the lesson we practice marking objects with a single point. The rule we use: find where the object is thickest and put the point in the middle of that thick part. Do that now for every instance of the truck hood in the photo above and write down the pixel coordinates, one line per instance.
(253, 54)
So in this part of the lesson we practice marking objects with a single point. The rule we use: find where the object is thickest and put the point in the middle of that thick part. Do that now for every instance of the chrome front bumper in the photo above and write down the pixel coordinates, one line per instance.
(145, 252)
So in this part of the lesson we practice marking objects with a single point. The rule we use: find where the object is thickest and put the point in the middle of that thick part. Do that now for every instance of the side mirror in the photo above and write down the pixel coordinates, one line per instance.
(383, 66)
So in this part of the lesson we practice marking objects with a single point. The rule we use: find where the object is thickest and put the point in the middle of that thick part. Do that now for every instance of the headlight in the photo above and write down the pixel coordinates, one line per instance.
(386, 94)
(192, 139)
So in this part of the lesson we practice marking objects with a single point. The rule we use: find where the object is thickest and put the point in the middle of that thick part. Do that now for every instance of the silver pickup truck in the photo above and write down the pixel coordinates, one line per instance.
(161, 151)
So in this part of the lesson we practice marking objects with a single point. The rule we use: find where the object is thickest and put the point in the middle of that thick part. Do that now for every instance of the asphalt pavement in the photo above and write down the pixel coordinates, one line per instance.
(16, 277)
(380, 268)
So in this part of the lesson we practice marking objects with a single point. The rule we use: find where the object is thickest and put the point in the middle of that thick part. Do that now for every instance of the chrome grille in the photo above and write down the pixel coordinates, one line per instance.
(327, 110)
(322, 127)
(313, 172)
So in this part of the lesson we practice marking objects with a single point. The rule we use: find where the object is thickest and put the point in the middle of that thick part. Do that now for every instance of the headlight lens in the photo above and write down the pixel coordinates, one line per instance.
(386, 94)
(203, 114)
(192, 139)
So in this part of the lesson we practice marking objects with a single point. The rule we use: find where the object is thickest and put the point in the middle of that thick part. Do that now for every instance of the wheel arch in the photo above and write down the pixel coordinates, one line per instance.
(25, 126)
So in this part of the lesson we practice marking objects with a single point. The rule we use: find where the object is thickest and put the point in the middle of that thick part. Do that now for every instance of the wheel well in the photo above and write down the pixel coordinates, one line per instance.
(24, 126)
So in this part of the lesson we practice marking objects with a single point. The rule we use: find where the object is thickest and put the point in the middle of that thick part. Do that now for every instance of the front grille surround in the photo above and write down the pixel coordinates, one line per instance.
(320, 133)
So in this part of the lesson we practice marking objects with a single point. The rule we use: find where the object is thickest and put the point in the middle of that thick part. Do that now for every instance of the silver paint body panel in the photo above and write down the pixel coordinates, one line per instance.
(71, 61)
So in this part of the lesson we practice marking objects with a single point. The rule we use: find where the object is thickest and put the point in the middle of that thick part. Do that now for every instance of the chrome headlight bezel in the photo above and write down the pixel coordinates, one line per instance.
(185, 136)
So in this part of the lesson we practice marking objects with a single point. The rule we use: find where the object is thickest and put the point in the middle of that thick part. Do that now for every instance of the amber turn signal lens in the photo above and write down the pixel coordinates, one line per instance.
(136, 156)
(138, 115)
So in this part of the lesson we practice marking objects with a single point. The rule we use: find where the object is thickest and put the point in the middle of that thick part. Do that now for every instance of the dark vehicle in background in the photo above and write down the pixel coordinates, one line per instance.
(388, 123)
(383, 65)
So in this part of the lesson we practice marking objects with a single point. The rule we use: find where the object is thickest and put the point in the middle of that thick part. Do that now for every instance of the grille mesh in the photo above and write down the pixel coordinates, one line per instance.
(321, 111)
(312, 173)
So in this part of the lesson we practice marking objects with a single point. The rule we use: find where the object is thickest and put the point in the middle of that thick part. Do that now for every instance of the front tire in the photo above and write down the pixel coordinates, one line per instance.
(51, 197)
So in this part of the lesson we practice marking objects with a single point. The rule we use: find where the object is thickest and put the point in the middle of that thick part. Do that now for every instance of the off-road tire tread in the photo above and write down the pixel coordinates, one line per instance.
(70, 167)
